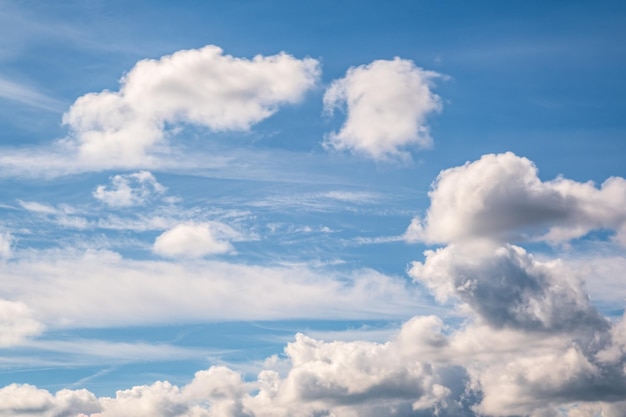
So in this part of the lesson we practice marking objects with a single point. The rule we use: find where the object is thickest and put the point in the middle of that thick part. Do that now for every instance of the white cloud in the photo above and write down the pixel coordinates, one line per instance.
(424, 370)
(203, 87)
(337, 378)
(387, 104)
(534, 343)
(129, 190)
(6, 245)
(25, 94)
(37, 207)
(29, 401)
(500, 196)
(17, 323)
(79, 286)
(195, 240)
(63, 215)
(507, 287)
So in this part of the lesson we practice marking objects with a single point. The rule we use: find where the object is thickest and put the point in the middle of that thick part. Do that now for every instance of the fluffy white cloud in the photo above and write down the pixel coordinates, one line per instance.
(29, 401)
(500, 196)
(129, 189)
(387, 104)
(203, 87)
(16, 323)
(195, 240)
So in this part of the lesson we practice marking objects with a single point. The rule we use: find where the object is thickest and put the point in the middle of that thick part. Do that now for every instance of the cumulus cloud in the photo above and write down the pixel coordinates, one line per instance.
(129, 189)
(203, 87)
(500, 196)
(343, 379)
(506, 286)
(387, 105)
(424, 370)
(534, 343)
(195, 240)
(29, 401)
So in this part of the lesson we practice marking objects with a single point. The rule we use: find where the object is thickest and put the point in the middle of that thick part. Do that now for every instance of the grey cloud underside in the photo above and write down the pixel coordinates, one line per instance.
(532, 345)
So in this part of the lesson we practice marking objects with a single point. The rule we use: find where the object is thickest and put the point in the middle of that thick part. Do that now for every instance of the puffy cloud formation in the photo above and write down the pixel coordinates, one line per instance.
(202, 86)
(534, 343)
(29, 401)
(387, 104)
(129, 190)
(423, 371)
(501, 197)
(194, 240)
(16, 323)
(508, 287)
(343, 379)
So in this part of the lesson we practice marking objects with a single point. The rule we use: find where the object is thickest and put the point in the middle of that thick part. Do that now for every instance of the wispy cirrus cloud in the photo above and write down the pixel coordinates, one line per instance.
(29, 96)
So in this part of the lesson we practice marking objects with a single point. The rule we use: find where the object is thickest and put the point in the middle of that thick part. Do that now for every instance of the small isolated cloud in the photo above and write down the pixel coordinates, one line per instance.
(202, 87)
(195, 240)
(387, 104)
(16, 323)
(129, 190)
(500, 196)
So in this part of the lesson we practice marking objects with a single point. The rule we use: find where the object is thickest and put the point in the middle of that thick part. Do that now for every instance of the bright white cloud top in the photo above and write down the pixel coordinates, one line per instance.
(387, 104)
(202, 87)
(195, 240)
(236, 233)
(501, 196)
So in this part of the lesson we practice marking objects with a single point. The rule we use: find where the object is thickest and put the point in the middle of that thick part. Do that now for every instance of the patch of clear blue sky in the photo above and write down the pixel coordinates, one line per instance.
(544, 79)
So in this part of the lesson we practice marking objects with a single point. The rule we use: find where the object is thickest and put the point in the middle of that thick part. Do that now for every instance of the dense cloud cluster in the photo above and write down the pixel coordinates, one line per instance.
(527, 341)
(531, 342)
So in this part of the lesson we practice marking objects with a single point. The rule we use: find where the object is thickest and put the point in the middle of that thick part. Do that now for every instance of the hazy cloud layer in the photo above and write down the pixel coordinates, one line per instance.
(75, 289)
(500, 196)
(387, 104)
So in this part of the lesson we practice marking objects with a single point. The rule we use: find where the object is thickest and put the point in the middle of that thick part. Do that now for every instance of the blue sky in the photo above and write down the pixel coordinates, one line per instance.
(325, 208)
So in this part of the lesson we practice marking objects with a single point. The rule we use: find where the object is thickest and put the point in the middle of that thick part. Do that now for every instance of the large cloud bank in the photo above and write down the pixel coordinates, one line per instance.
(531, 343)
